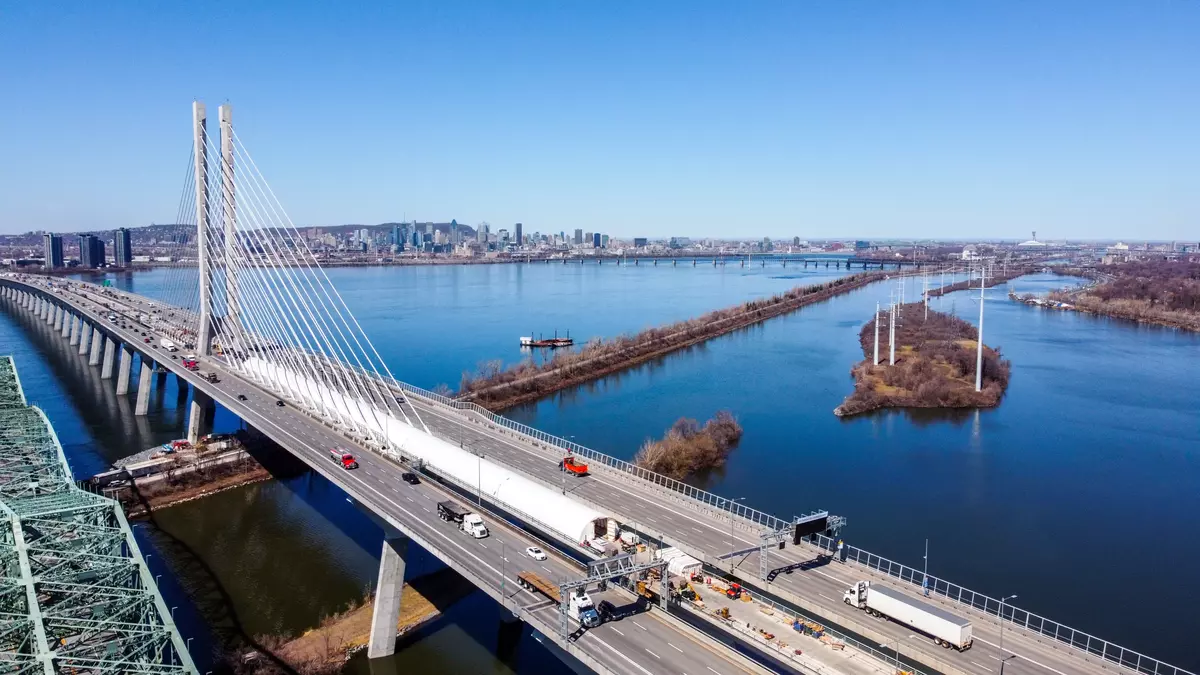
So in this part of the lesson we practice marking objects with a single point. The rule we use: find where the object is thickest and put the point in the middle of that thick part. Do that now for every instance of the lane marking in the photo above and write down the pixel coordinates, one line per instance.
(826, 597)
(638, 625)
(618, 632)
(674, 647)
(652, 653)
(713, 670)
(979, 664)
(1023, 658)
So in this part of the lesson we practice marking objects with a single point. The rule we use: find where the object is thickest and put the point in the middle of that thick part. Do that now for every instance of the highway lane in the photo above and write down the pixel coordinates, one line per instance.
(821, 587)
(497, 558)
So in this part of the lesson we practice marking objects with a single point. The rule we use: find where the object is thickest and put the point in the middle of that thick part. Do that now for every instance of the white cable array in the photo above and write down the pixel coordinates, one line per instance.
(286, 311)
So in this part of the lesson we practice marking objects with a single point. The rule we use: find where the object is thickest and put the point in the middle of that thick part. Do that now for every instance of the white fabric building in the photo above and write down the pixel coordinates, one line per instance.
(505, 487)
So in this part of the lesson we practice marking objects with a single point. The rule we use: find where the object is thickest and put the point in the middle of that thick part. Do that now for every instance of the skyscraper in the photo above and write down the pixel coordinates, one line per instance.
(54, 251)
(520, 241)
(595, 239)
(122, 250)
(91, 251)
(578, 237)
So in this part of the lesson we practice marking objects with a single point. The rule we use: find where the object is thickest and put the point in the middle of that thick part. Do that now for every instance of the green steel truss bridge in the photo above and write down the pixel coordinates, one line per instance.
(75, 594)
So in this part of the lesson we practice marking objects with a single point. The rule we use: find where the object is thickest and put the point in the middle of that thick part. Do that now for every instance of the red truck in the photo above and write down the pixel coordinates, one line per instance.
(344, 458)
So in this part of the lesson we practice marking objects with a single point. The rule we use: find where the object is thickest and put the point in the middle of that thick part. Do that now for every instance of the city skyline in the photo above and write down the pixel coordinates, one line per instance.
(935, 122)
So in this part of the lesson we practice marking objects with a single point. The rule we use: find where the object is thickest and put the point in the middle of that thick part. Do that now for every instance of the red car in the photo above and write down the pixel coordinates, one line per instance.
(344, 458)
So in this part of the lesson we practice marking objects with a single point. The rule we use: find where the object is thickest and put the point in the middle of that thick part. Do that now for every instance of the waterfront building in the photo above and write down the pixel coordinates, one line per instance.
(122, 248)
(53, 251)
(91, 251)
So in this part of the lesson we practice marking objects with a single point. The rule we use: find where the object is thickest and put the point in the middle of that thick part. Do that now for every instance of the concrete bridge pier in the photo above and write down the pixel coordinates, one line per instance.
(387, 596)
(109, 352)
(85, 335)
(58, 317)
(143, 393)
(97, 345)
(74, 335)
(68, 319)
(124, 371)
(45, 312)
(198, 410)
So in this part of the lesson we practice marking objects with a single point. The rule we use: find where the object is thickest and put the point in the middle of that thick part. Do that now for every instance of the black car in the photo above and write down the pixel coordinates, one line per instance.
(410, 478)
(241, 397)
(279, 403)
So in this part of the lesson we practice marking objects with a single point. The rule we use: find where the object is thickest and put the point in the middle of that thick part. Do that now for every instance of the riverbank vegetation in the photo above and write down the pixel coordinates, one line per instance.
(935, 366)
(1166, 293)
(324, 649)
(497, 388)
(689, 449)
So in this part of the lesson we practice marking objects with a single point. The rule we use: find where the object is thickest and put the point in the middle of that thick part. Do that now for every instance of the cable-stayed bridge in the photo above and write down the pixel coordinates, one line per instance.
(279, 347)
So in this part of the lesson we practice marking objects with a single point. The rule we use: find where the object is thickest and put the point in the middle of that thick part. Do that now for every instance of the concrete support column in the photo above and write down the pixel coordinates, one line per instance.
(58, 317)
(143, 394)
(110, 348)
(197, 409)
(125, 369)
(44, 311)
(98, 340)
(387, 597)
(85, 336)
(74, 334)
(67, 319)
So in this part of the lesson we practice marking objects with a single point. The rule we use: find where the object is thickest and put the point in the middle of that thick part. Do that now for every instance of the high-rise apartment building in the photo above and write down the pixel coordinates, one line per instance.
(91, 251)
(122, 249)
(520, 241)
(54, 251)
(578, 237)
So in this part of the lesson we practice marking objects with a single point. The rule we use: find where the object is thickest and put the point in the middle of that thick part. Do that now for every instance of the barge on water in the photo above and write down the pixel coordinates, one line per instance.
(550, 343)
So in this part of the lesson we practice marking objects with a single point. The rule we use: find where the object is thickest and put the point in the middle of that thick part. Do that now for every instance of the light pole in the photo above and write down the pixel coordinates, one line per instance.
(1002, 658)
(731, 503)
(925, 572)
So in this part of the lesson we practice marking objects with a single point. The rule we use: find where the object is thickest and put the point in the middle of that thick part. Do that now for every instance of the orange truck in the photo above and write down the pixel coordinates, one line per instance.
(572, 465)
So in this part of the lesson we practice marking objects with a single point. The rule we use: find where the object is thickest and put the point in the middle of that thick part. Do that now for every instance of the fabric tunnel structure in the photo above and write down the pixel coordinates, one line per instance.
(506, 488)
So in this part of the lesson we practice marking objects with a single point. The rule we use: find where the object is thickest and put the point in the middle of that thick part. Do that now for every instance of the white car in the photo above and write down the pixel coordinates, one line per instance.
(535, 553)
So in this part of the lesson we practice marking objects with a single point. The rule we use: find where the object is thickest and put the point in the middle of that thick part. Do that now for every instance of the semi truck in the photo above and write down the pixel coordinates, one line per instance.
(211, 377)
(945, 628)
(581, 607)
(168, 345)
(468, 522)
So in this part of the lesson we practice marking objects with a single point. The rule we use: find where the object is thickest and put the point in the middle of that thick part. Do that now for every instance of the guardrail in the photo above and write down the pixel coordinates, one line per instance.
(1015, 616)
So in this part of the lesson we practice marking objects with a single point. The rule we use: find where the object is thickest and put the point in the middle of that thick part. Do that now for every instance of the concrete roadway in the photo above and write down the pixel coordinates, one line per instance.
(818, 589)
(821, 586)
(643, 644)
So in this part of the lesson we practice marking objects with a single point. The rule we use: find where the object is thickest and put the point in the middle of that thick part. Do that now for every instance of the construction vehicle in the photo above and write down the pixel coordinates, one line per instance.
(734, 591)
(945, 628)
(646, 591)
(573, 466)
(580, 608)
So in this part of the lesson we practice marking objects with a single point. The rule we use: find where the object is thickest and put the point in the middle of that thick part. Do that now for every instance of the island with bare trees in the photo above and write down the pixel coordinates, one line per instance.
(1163, 292)
(934, 365)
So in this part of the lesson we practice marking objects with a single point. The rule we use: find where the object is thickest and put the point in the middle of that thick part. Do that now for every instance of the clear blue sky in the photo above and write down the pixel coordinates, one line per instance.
(873, 119)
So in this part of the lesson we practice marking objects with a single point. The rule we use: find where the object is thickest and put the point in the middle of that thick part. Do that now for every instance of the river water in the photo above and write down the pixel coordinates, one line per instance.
(1081, 492)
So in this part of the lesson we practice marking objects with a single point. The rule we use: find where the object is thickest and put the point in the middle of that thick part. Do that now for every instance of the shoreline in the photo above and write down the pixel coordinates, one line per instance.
(532, 386)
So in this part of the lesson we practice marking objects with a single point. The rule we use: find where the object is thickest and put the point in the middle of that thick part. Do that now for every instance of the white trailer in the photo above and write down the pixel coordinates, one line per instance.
(946, 629)
(168, 345)
(679, 563)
